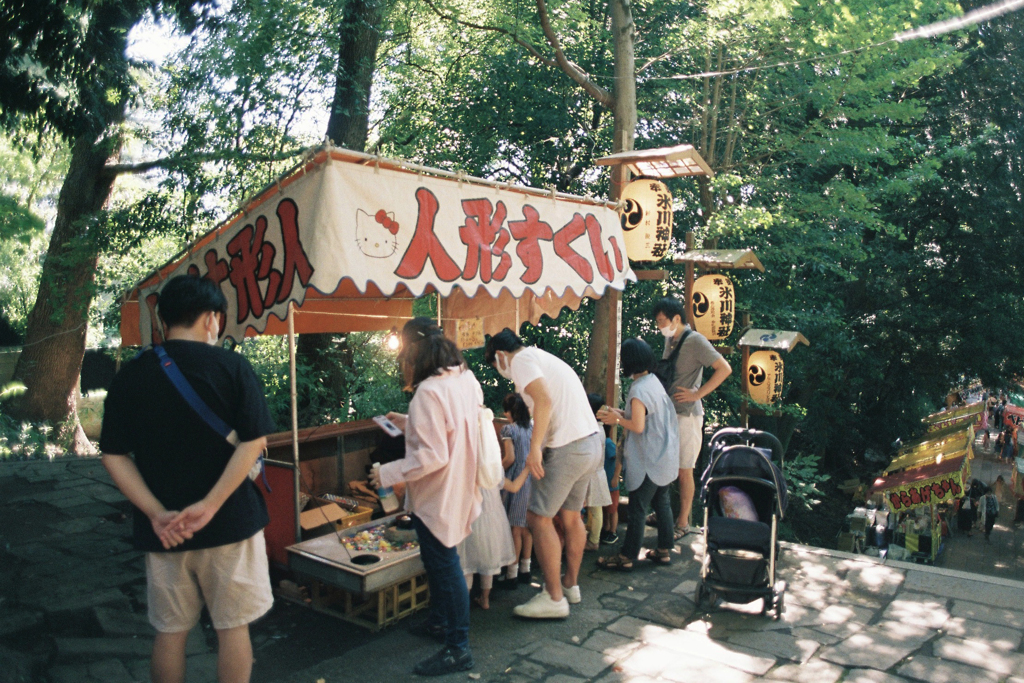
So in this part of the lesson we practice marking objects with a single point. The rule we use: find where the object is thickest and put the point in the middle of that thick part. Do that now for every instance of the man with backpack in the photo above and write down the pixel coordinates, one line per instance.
(689, 352)
(199, 519)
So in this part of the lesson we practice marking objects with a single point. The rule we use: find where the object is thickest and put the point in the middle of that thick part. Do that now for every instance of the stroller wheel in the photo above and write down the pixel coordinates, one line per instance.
(698, 597)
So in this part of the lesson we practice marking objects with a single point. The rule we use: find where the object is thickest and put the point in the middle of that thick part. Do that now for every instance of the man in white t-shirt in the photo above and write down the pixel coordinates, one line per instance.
(567, 447)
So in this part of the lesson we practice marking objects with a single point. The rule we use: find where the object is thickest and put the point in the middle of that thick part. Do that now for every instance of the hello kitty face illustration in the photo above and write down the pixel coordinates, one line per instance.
(376, 235)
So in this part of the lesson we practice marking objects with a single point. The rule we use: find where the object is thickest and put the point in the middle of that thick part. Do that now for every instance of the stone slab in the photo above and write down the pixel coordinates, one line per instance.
(814, 671)
(880, 646)
(14, 620)
(610, 644)
(875, 579)
(110, 671)
(100, 648)
(917, 609)
(699, 645)
(562, 678)
(60, 602)
(1000, 637)
(637, 629)
(979, 655)
(699, 670)
(993, 594)
(987, 613)
(650, 660)
(772, 643)
(872, 676)
(580, 660)
(941, 671)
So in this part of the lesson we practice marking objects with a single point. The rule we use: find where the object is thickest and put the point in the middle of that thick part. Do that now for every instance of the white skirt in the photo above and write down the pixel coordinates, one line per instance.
(598, 494)
(489, 547)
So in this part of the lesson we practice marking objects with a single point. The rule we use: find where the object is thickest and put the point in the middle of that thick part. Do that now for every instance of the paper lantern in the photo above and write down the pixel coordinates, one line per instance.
(714, 306)
(646, 215)
(764, 376)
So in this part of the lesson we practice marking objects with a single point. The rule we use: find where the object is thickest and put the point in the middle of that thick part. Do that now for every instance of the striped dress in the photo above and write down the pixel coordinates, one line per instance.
(516, 503)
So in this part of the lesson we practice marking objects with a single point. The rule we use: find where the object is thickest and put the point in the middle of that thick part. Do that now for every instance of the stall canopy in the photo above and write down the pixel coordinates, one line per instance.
(351, 239)
(960, 416)
(925, 485)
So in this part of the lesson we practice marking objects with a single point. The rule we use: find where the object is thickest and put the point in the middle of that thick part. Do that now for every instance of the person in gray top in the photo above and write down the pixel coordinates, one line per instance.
(687, 390)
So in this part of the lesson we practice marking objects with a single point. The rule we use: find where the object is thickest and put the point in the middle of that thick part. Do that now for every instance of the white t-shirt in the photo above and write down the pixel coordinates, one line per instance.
(571, 416)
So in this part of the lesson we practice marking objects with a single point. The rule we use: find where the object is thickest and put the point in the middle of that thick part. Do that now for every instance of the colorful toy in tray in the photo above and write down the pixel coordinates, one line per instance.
(373, 541)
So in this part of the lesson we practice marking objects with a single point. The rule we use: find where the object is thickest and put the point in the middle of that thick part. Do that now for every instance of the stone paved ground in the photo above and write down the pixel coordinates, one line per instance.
(72, 608)
(1004, 555)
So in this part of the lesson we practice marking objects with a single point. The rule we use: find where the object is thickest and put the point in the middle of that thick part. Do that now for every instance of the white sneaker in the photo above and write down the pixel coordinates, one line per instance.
(572, 594)
(541, 606)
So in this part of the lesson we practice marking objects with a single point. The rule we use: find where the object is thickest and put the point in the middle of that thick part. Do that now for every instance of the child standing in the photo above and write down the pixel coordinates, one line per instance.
(515, 441)
(649, 454)
(612, 470)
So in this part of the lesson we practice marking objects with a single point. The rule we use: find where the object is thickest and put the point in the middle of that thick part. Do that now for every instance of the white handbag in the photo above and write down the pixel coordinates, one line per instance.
(489, 473)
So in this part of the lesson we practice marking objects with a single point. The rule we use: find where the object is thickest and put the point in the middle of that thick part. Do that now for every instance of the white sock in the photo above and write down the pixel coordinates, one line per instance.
(512, 571)
(524, 565)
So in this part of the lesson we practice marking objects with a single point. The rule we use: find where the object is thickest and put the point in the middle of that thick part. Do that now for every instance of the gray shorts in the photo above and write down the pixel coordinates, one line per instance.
(567, 471)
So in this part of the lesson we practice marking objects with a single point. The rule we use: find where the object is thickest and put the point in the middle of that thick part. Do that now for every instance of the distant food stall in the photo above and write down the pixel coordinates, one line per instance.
(919, 488)
(969, 414)
(344, 243)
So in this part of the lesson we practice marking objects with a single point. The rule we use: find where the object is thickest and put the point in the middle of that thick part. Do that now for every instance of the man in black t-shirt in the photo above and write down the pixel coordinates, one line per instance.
(198, 517)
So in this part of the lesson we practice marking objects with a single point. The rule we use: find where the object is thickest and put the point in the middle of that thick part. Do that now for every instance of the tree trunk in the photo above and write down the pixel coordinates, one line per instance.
(602, 360)
(51, 360)
(347, 127)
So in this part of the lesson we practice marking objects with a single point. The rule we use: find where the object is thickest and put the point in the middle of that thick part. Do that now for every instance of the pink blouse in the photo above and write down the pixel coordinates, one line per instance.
(441, 442)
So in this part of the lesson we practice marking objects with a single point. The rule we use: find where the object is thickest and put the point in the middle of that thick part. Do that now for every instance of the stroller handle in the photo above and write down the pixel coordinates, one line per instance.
(755, 437)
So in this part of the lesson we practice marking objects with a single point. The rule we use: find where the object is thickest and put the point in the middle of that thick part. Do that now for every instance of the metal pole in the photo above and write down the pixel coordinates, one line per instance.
(745, 405)
(295, 417)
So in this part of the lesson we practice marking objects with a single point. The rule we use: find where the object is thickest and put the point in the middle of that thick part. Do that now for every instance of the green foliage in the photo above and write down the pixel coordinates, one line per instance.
(803, 477)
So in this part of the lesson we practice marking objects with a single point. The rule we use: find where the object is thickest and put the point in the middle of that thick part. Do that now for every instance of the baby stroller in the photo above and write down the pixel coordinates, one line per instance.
(740, 554)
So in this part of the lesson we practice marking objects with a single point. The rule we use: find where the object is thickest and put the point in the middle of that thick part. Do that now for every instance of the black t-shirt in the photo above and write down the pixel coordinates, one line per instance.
(179, 456)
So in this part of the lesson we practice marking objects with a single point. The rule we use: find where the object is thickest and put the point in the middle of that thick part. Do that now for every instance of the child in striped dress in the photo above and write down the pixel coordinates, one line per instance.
(515, 439)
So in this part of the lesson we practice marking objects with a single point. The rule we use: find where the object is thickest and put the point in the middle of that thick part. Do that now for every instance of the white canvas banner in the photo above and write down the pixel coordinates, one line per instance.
(347, 220)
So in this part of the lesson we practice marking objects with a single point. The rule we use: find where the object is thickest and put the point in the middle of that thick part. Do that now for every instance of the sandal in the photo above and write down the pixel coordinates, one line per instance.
(659, 556)
(679, 532)
(619, 563)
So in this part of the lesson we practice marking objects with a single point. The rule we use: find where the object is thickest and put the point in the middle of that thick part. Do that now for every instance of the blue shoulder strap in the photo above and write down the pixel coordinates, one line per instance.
(198, 405)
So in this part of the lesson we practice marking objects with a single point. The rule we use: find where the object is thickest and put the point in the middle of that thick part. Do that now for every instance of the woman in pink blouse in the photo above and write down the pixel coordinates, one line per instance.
(439, 469)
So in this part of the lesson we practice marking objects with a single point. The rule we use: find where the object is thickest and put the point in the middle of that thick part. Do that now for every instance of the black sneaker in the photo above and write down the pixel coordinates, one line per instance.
(427, 630)
(609, 538)
(525, 577)
(506, 584)
(447, 661)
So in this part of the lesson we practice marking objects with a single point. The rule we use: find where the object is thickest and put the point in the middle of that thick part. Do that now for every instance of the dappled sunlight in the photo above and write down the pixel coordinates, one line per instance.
(979, 654)
(924, 611)
(997, 637)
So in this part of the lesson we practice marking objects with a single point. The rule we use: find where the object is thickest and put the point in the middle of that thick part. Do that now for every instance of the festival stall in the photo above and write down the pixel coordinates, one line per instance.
(918, 489)
(963, 415)
(344, 243)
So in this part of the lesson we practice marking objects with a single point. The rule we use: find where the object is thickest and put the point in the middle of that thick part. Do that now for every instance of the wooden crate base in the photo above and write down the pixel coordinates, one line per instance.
(374, 610)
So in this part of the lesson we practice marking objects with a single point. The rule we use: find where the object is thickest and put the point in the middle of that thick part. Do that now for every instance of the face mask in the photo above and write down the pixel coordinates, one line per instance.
(504, 369)
(668, 331)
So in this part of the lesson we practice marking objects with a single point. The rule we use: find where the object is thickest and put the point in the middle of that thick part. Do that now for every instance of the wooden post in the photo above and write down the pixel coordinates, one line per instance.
(745, 405)
(688, 285)
(295, 418)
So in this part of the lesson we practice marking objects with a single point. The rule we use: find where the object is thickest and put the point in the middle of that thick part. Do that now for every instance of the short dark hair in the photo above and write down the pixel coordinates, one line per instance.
(596, 401)
(186, 297)
(428, 350)
(506, 340)
(670, 307)
(637, 356)
(514, 405)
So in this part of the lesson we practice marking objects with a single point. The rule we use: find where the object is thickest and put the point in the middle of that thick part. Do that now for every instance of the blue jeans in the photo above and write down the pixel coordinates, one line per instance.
(636, 515)
(449, 597)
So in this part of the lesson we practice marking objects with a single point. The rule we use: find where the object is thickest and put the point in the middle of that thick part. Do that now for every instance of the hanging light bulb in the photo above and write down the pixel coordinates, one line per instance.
(392, 341)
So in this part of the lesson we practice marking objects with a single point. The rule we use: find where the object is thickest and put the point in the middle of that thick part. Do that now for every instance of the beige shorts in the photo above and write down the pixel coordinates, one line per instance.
(233, 581)
(691, 438)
